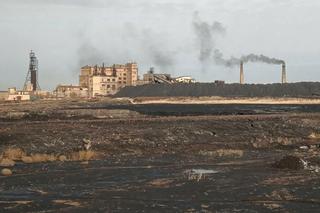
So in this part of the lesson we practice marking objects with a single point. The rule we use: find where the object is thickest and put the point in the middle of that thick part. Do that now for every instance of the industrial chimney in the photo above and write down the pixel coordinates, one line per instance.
(241, 73)
(284, 74)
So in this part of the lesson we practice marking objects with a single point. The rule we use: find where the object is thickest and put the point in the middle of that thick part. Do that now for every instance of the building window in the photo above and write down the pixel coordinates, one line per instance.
(113, 87)
(125, 79)
(108, 86)
(113, 80)
(108, 80)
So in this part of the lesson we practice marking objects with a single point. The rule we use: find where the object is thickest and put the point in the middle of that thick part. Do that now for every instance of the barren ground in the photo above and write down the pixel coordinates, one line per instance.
(160, 157)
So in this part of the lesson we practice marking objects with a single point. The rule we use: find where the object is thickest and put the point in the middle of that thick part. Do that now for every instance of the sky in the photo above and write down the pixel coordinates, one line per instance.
(68, 34)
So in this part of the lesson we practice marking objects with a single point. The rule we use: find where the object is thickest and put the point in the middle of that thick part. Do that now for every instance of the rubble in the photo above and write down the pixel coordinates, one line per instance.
(199, 174)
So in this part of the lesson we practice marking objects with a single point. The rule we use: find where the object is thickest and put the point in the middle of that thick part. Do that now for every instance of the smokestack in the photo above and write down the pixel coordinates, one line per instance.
(284, 74)
(103, 73)
(241, 73)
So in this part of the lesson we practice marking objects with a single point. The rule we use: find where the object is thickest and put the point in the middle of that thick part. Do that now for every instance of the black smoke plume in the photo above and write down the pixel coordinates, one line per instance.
(206, 35)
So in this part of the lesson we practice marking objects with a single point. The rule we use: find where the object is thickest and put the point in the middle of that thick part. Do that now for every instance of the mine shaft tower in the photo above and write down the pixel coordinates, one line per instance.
(32, 75)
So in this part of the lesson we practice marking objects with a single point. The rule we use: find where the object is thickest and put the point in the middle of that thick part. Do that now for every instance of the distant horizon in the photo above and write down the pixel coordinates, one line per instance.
(141, 75)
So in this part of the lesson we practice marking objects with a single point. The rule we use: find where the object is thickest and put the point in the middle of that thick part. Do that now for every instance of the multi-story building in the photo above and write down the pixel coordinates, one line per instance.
(103, 80)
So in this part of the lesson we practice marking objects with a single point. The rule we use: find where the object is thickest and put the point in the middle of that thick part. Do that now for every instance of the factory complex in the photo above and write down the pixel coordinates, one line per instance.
(101, 81)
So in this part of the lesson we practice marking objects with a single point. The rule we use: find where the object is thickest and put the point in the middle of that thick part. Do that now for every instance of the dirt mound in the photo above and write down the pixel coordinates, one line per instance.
(5, 162)
(14, 153)
(82, 155)
(6, 172)
(289, 162)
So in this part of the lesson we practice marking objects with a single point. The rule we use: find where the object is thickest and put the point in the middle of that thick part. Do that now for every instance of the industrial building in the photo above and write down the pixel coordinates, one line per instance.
(14, 95)
(71, 91)
(31, 88)
(185, 79)
(102, 81)
(151, 77)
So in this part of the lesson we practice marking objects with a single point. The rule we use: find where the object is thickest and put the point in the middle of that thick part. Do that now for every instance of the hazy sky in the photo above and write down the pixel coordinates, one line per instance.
(68, 34)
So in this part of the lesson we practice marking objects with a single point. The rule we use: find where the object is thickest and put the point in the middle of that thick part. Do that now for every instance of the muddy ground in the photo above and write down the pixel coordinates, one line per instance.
(161, 158)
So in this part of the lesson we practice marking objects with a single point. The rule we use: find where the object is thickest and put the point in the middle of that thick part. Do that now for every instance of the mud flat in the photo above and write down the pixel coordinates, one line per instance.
(210, 158)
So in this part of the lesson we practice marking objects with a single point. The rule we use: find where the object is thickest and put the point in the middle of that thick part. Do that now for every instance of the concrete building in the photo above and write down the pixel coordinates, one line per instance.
(70, 91)
(14, 95)
(102, 81)
(103, 85)
(18, 97)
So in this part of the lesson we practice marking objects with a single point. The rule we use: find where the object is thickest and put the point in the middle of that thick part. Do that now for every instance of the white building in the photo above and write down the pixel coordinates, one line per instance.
(14, 95)
(185, 79)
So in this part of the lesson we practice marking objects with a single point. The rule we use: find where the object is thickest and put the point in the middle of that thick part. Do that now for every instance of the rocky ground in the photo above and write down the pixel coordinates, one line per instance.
(172, 158)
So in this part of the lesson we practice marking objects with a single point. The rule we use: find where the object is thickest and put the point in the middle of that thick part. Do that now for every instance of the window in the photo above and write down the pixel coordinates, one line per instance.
(108, 80)
(113, 80)
(113, 87)
(125, 79)
(108, 86)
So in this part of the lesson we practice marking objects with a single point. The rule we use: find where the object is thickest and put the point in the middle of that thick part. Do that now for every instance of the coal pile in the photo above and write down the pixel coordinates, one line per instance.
(289, 162)
(302, 89)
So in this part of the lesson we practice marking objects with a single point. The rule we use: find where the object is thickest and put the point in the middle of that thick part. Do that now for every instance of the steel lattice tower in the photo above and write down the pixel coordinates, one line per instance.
(32, 75)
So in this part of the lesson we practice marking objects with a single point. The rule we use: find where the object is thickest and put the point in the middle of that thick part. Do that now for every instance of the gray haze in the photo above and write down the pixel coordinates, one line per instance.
(68, 34)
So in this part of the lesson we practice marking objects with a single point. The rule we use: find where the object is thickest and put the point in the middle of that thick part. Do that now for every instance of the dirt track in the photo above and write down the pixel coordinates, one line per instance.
(149, 161)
